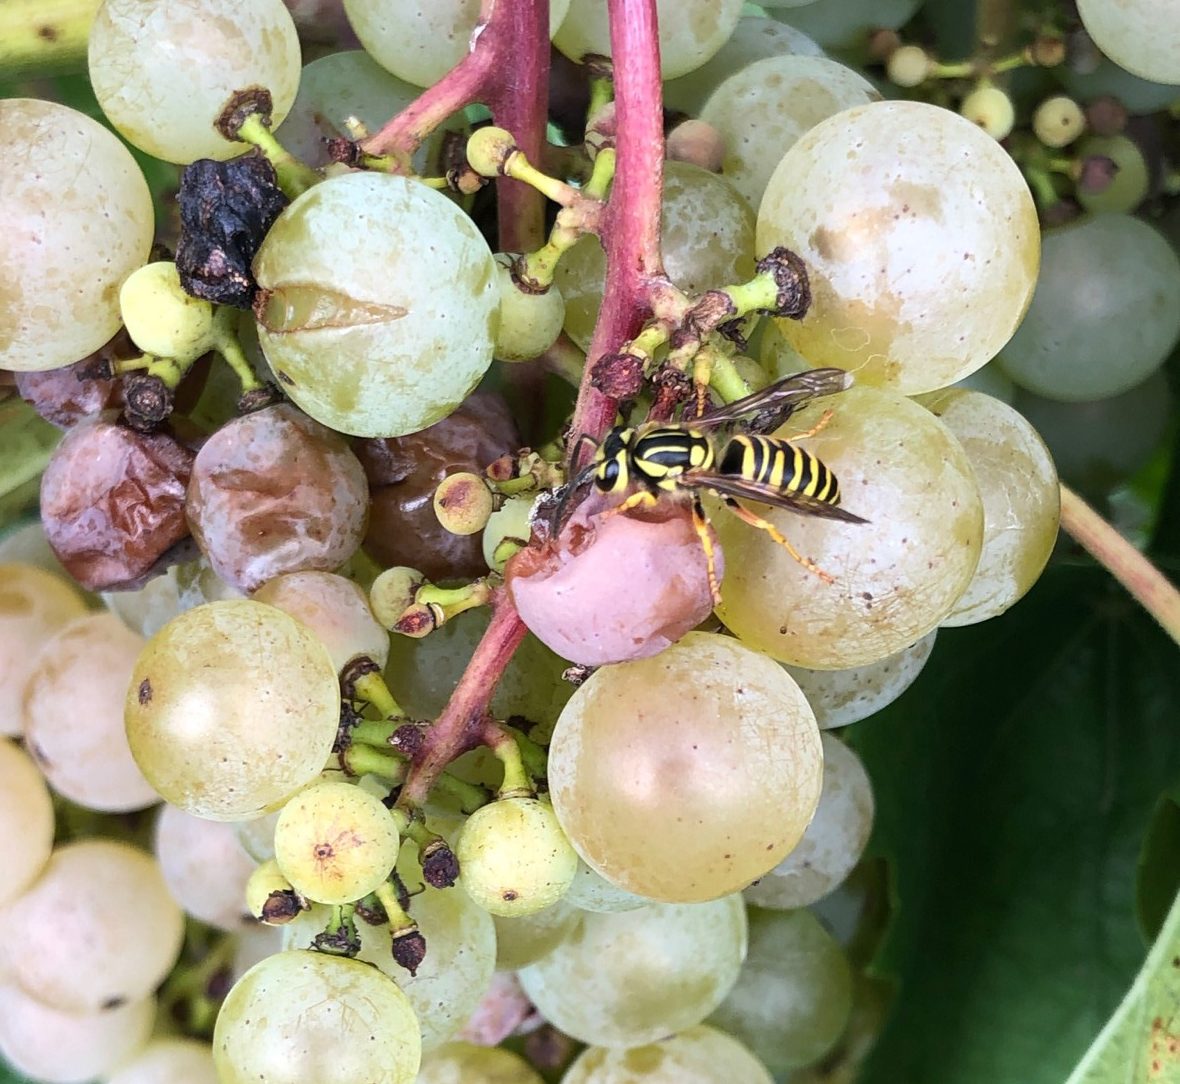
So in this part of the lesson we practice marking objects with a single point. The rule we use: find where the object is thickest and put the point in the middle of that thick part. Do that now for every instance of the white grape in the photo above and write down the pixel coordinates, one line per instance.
(1142, 36)
(698, 1055)
(26, 820)
(169, 1061)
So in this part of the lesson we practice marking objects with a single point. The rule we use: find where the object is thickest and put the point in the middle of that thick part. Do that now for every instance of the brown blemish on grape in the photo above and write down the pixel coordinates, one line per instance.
(47, 33)
(145, 692)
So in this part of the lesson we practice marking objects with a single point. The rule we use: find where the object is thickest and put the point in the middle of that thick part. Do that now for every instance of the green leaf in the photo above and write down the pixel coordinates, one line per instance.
(26, 441)
(1016, 782)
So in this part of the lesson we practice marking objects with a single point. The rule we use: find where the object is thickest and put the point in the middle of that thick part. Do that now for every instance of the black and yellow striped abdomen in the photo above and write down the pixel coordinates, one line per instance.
(653, 458)
(779, 466)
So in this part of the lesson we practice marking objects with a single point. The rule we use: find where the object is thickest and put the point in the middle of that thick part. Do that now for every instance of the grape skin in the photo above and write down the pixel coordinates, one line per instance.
(26, 820)
(698, 1055)
(169, 1061)
(464, 1063)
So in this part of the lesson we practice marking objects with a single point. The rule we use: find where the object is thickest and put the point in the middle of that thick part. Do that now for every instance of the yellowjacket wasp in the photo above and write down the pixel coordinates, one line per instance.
(687, 458)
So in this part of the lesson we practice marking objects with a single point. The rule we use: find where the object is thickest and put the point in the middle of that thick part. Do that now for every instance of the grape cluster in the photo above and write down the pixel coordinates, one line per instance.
(392, 750)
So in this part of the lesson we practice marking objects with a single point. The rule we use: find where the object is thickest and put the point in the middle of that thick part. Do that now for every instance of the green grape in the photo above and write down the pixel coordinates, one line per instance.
(1106, 311)
(163, 73)
(590, 891)
(529, 322)
(1142, 36)
(160, 317)
(706, 235)
(698, 1055)
(26, 820)
(1021, 499)
(333, 608)
(920, 239)
(793, 997)
(98, 928)
(991, 109)
(74, 714)
(514, 858)
(169, 1061)
(524, 939)
(903, 471)
(691, 31)
(1131, 182)
(307, 1018)
(512, 520)
(335, 842)
(34, 604)
(380, 304)
(466, 1063)
(205, 868)
(420, 42)
(779, 357)
(628, 979)
(57, 217)
(350, 84)
(834, 841)
(659, 774)
(846, 24)
(1137, 95)
(460, 952)
(841, 697)
(754, 38)
(47, 1043)
(1098, 444)
(764, 108)
(232, 708)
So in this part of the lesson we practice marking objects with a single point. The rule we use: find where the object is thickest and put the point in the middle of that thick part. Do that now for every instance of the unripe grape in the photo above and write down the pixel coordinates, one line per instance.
(489, 148)
(908, 66)
(463, 503)
(270, 896)
(161, 318)
(26, 820)
(1058, 121)
(991, 109)
(328, 1020)
(514, 858)
(847, 25)
(529, 321)
(1132, 177)
(335, 842)
(508, 529)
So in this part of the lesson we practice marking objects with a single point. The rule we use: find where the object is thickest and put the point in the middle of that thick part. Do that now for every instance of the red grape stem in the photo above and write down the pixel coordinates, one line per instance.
(631, 226)
(1146, 583)
(460, 726)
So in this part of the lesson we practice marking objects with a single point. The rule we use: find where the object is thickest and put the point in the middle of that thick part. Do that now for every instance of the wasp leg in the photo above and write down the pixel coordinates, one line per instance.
(819, 427)
(640, 499)
(753, 520)
(701, 525)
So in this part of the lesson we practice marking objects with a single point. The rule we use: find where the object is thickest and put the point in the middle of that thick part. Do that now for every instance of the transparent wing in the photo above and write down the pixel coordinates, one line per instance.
(767, 409)
(730, 486)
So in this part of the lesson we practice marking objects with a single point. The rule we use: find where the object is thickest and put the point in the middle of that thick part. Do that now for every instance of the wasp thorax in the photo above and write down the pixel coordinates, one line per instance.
(615, 586)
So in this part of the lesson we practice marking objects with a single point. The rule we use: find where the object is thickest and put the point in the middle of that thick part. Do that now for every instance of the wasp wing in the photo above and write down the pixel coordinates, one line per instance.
(730, 486)
(767, 409)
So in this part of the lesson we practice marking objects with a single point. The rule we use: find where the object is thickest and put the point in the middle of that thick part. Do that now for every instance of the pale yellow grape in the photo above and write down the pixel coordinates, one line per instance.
(333, 608)
(698, 1055)
(691, 31)
(920, 238)
(793, 997)
(896, 577)
(169, 1061)
(466, 1063)
(590, 891)
(421, 42)
(380, 304)
(659, 773)
(307, 1018)
(57, 217)
(754, 38)
(205, 867)
(514, 859)
(529, 322)
(335, 842)
(523, 940)
(268, 889)
(706, 235)
(764, 108)
(160, 317)
(841, 697)
(908, 66)
(34, 604)
(60, 1047)
(26, 820)
(846, 24)
(164, 72)
(1021, 499)
(460, 952)
(628, 979)
(1132, 178)
(991, 109)
(74, 714)
(232, 708)
(1058, 121)
(98, 927)
(834, 841)
(510, 521)
(1142, 36)
(1106, 311)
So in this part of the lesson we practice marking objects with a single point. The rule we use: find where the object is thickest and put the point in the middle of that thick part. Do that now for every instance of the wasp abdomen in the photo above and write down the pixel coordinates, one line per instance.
(778, 464)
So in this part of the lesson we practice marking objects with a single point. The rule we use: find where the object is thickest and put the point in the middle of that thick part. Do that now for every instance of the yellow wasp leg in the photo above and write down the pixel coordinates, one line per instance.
(753, 520)
(817, 428)
(701, 526)
(639, 499)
